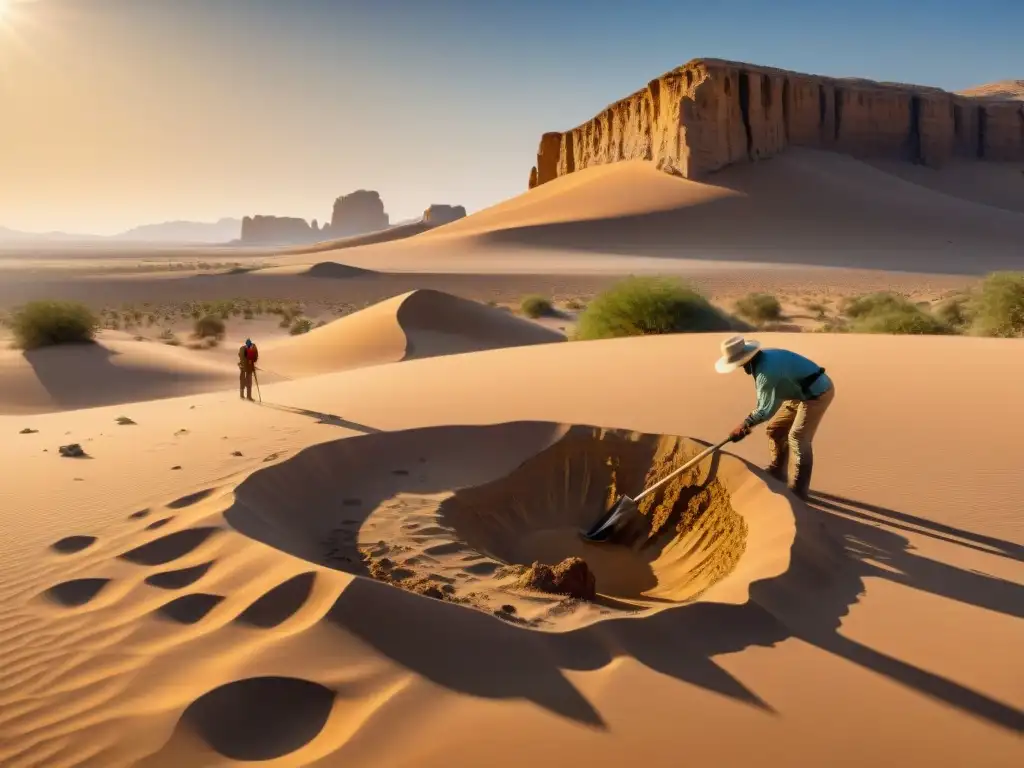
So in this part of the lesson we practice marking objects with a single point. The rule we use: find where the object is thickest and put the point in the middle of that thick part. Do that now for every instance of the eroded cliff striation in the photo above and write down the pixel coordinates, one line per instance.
(709, 114)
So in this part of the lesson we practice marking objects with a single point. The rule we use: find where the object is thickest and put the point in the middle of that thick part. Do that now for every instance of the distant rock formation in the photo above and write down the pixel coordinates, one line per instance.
(709, 114)
(357, 213)
(1004, 90)
(278, 230)
(436, 215)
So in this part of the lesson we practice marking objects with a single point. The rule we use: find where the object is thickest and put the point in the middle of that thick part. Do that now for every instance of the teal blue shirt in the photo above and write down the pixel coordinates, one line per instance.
(777, 373)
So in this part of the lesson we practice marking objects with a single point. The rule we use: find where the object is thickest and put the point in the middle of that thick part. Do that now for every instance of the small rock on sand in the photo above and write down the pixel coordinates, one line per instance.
(124, 421)
(570, 577)
(72, 451)
(28, 431)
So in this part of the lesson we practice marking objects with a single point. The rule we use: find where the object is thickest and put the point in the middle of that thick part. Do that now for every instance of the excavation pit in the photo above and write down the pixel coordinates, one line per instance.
(475, 508)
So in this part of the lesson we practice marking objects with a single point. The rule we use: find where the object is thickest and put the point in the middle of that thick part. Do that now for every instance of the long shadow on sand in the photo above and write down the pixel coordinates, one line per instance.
(472, 652)
(872, 513)
(85, 375)
(322, 418)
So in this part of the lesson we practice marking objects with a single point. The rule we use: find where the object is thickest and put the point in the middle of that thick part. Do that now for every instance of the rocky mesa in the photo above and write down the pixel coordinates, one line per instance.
(710, 113)
(279, 230)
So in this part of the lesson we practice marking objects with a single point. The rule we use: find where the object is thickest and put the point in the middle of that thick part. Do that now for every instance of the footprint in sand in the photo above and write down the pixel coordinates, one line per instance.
(139, 515)
(189, 609)
(170, 547)
(158, 523)
(71, 544)
(180, 578)
(190, 499)
(257, 718)
(280, 603)
(76, 592)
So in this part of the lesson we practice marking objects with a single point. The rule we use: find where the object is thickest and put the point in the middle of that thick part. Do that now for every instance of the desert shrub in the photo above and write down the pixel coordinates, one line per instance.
(890, 313)
(575, 305)
(759, 308)
(901, 322)
(209, 327)
(956, 311)
(820, 311)
(874, 304)
(537, 306)
(48, 323)
(247, 314)
(640, 306)
(998, 309)
(300, 326)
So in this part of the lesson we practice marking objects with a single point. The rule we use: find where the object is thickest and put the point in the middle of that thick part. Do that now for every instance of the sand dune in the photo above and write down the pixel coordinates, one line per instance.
(114, 370)
(803, 207)
(421, 323)
(183, 598)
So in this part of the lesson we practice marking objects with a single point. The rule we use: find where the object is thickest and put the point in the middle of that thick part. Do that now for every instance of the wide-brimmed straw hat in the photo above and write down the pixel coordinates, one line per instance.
(736, 351)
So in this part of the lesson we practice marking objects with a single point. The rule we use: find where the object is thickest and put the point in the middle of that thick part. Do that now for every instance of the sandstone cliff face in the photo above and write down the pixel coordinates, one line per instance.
(709, 114)
(278, 230)
(357, 213)
(436, 215)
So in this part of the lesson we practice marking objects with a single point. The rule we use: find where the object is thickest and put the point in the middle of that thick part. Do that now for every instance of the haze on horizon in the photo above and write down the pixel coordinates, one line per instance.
(117, 113)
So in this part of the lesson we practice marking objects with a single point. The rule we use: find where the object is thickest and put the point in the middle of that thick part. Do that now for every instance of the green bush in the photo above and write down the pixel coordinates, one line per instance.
(820, 310)
(903, 321)
(301, 325)
(759, 308)
(890, 313)
(48, 323)
(999, 306)
(537, 306)
(209, 327)
(640, 306)
(875, 303)
(956, 312)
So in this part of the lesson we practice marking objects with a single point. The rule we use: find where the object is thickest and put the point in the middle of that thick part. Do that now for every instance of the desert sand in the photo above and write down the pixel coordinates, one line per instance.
(331, 576)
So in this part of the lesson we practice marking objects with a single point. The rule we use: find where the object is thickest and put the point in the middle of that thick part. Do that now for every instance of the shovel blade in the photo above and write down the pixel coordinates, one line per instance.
(610, 521)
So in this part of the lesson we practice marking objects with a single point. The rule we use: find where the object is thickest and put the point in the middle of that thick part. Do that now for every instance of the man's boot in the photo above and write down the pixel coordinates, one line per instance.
(801, 484)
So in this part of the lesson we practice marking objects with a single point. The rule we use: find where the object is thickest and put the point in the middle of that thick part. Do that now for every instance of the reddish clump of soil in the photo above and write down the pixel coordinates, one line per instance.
(570, 577)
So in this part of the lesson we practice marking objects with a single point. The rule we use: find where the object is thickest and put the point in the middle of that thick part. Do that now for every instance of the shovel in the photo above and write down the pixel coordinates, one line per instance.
(626, 506)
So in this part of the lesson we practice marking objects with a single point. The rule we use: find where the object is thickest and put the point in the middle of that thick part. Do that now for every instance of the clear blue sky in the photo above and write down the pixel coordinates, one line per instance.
(119, 112)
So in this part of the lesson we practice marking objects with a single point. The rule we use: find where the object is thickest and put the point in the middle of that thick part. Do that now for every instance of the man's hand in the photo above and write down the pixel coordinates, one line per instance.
(739, 433)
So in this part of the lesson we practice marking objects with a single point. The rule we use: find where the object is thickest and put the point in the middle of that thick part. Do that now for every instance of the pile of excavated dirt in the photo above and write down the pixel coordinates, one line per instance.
(571, 577)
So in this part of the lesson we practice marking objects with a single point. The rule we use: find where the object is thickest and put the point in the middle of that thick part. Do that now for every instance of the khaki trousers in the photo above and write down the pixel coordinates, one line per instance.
(791, 432)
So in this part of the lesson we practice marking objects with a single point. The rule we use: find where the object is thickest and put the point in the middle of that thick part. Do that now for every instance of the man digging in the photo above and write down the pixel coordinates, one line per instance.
(793, 394)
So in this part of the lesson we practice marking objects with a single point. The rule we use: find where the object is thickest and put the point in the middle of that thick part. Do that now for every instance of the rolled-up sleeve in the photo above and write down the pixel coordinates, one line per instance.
(768, 401)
